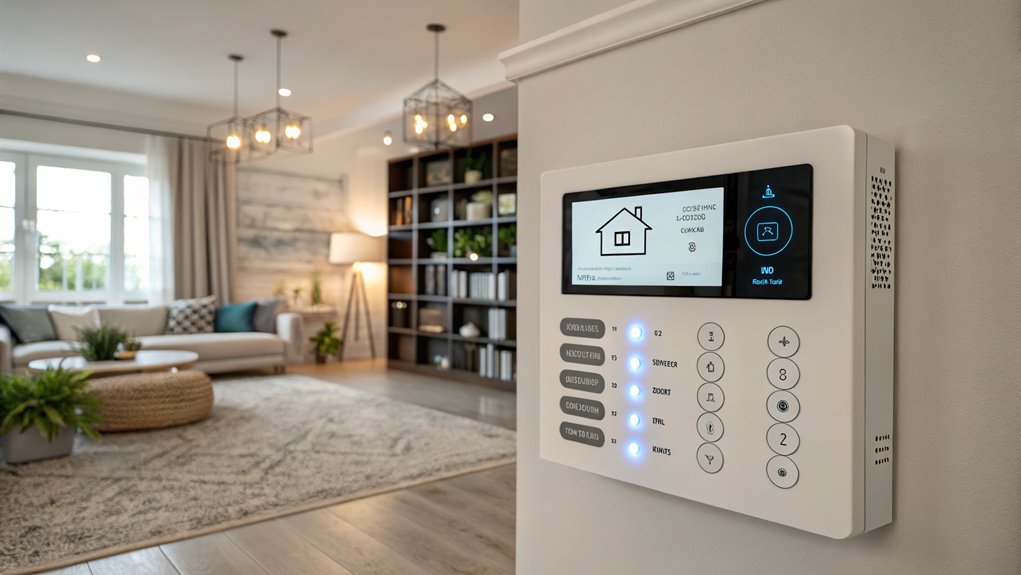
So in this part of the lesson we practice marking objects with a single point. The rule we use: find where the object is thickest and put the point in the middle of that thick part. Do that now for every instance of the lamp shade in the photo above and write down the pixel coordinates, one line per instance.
(351, 247)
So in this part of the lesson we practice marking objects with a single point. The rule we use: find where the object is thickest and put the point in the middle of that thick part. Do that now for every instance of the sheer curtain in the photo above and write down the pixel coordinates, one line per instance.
(195, 253)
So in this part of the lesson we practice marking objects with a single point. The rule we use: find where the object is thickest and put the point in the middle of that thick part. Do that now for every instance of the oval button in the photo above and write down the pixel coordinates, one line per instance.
(588, 408)
(582, 381)
(586, 354)
(580, 327)
(582, 434)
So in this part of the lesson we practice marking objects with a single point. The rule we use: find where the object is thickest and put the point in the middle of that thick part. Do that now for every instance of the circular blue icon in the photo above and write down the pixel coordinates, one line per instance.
(768, 231)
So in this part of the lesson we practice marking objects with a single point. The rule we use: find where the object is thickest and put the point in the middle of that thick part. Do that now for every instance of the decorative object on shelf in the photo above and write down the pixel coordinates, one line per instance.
(128, 349)
(317, 290)
(431, 320)
(437, 173)
(508, 236)
(437, 115)
(481, 206)
(439, 210)
(473, 166)
(508, 162)
(327, 344)
(228, 137)
(278, 129)
(39, 415)
(441, 361)
(507, 204)
(296, 300)
(438, 243)
(462, 242)
(351, 248)
(101, 343)
(469, 330)
(399, 314)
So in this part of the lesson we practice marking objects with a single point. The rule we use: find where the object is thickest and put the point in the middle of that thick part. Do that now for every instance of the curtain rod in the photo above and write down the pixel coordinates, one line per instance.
(102, 125)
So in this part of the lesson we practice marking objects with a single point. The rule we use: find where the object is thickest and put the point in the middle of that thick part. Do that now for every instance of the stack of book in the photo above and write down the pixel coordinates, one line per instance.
(483, 285)
(400, 215)
(499, 328)
(435, 280)
(496, 364)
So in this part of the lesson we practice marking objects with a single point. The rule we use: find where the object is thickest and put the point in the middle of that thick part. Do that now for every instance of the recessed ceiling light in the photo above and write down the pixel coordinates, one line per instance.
(94, 58)
(388, 138)
(285, 92)
(487, 117)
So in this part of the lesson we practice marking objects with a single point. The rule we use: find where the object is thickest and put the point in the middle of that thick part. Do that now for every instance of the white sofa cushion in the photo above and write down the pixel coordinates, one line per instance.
(67, 320)
(26, 352)
(211, 346)
(137, 320)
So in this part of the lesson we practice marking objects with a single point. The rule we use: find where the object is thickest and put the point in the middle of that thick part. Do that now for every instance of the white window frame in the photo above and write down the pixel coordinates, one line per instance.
(621, 239)
(25, 273)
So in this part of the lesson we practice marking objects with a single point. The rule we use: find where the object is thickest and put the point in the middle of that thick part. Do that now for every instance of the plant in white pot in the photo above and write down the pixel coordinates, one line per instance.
(39, 415)
(473, 166)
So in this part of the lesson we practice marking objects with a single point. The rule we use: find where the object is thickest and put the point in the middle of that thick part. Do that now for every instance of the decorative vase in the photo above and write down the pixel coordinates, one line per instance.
(479, 211)
(33, 446)
(472, 176)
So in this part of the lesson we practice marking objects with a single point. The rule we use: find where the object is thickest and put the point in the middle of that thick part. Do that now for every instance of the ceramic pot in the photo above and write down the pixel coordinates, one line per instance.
(33, 446)
(472, 176)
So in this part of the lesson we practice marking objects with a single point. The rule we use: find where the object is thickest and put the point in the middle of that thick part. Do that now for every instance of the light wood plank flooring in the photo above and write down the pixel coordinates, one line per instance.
(462, 525)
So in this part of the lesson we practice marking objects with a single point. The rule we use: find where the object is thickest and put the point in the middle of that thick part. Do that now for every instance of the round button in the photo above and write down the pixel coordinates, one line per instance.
(782, 472)
(783, 373)
(768, 230)
(710, 336)
(710, 397)
(710, 426)
(710, 366)
(783, 439)
(783, 341)
(710, 458)
(783, 406)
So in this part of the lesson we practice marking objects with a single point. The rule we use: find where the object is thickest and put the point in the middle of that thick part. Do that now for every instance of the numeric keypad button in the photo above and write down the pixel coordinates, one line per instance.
(783, 341)
(782, 472)
(710, 458)
(783, 406)
(783, 439)
(710, 397)
(710, 336)
(783, 373)
(710, 366)
(710, 427)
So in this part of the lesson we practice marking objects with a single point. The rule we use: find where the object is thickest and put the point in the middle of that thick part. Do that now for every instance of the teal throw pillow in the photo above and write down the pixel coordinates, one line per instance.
(235, 317)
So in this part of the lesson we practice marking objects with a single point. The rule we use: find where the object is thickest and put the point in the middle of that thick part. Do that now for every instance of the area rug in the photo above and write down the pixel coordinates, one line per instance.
(273, 446)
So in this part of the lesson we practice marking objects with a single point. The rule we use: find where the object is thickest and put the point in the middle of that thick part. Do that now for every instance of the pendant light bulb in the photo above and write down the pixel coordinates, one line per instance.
(263, 136)
(292, 131)
(233, 141)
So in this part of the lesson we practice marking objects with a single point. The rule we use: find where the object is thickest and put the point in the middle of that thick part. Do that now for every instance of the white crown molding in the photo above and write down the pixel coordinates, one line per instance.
(627, 24)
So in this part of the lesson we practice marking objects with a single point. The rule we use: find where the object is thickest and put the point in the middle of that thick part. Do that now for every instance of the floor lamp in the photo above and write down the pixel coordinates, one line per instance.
(353, 248)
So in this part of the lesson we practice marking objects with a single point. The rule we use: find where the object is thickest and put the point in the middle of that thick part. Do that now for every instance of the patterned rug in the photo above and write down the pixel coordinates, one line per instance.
(274, 445)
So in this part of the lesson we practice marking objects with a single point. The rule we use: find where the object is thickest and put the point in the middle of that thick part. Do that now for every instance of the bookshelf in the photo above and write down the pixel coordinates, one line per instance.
(452, 260)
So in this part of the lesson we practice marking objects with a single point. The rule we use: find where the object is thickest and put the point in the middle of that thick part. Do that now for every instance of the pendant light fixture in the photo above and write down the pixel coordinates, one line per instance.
(278, 129)
(228, 137)
(437, 115)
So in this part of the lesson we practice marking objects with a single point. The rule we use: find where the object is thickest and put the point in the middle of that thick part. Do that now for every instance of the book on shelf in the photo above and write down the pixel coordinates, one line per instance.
(501, 324)
(430, 280)
(499, 286)
(496, 364)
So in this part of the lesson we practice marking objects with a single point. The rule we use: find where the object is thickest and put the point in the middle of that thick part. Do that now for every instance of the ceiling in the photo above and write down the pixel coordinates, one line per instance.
(348, 62)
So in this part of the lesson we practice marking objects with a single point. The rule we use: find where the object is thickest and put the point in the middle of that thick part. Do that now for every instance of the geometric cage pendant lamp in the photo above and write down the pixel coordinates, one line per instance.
(437, 115)
(278, 129)
(227, 138)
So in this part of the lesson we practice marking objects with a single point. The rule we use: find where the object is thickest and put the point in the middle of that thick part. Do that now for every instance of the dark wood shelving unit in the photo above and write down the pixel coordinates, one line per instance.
(414, 192)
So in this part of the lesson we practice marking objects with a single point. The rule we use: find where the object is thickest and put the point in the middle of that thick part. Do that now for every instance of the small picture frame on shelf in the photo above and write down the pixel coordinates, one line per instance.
(437, 173)
(507, 204)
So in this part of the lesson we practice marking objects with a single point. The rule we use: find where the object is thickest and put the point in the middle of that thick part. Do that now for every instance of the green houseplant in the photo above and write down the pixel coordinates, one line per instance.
(508, 236)
(39, 415)
(438, 243)
(101, 343)
(473, 167)
(326, 342)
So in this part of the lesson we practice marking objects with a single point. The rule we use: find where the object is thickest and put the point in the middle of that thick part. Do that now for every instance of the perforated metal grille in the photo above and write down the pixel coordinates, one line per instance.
(881, 450)
(881, 233)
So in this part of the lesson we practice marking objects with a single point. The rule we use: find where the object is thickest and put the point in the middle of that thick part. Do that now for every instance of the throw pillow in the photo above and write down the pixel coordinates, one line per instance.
(68, 320)
(265, 318)
(28, 323)
(236, 317)
(191, 315)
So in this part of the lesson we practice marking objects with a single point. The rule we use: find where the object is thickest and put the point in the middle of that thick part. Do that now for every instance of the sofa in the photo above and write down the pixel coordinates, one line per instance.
(218, 352)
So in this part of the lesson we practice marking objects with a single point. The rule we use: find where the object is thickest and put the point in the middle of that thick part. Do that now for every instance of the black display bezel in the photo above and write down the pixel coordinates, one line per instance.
(740, 193)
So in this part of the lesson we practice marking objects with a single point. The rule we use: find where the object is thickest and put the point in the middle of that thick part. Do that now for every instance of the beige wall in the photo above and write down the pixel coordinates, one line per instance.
(940, 79)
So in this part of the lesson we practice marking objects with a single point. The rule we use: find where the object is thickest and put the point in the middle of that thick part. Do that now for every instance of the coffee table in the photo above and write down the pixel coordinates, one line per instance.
(144, 361)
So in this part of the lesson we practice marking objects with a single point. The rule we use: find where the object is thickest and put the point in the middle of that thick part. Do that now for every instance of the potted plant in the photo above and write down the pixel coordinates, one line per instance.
(40, 415)
(473, 166)
(326, 342)
(101, 343)
(508, 236)
(462, 242)
(317, 290)
(438, 243)
(129, 348)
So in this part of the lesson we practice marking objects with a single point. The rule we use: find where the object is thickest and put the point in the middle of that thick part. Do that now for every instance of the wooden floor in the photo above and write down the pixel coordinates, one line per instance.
(459, 525)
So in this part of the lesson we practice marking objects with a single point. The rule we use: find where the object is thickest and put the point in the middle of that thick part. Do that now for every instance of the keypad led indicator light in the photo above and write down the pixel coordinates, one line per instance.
(634, 391)
(636, 333)
(635, 363)
(634, 420)
(634, 449)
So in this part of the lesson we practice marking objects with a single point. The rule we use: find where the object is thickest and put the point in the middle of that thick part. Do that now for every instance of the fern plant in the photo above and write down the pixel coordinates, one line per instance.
(100, 343)
(50, 401)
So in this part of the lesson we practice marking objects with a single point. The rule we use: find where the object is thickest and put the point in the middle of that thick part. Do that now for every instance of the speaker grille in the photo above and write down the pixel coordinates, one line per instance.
(881, 233)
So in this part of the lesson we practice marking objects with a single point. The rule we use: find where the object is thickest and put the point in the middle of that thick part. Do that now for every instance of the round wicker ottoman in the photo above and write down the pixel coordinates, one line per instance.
(153, 400)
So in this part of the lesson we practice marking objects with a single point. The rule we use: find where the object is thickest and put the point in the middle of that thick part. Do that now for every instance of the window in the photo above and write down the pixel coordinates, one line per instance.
(73, 230)
(622, 238)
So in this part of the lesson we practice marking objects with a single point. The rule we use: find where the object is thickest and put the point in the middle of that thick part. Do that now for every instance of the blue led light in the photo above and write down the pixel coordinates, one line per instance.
(636, 333)
(634, 391)
(634, 449)
(634, 420)
(635, 363)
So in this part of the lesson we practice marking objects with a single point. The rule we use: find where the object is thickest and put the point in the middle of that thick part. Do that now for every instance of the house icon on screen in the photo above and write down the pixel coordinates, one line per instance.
(623, 234)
